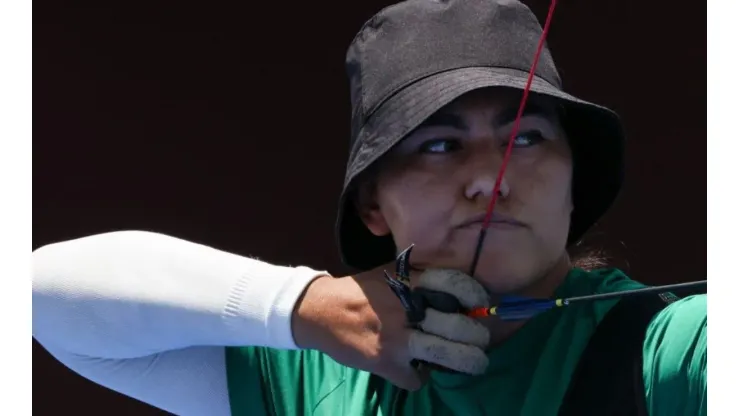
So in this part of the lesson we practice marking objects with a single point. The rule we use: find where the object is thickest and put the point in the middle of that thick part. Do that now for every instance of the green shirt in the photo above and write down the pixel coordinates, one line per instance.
(528, 374)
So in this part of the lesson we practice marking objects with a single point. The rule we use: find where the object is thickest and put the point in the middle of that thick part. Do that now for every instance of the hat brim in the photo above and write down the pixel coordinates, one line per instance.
(595, 134)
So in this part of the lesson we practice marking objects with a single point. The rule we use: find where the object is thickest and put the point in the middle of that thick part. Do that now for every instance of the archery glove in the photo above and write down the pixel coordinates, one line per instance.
(439, 300)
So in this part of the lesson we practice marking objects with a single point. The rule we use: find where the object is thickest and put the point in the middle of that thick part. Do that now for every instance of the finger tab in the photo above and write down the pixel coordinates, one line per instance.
(441, 301)
(467, 290)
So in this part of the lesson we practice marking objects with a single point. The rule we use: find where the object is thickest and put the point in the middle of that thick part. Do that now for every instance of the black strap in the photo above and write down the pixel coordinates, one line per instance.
(608, 380)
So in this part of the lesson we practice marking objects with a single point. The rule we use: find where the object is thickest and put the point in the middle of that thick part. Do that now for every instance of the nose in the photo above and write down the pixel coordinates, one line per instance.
(483, 183)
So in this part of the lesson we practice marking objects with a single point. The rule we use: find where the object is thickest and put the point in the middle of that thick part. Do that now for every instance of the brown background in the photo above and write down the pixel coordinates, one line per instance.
(228, 125)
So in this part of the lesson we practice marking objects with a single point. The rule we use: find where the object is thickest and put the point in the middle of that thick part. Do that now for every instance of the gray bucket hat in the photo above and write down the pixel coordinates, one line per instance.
(413, 58)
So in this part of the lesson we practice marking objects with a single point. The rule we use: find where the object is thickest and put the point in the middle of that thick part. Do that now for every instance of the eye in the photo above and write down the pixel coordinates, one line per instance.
(440, 146)
(527, 139)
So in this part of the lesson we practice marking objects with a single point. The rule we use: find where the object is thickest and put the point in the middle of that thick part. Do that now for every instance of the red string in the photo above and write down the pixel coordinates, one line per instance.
(514, 132)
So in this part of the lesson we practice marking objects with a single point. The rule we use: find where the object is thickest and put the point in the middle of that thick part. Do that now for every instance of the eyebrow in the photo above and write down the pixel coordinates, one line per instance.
(530, 109)
(444, 118)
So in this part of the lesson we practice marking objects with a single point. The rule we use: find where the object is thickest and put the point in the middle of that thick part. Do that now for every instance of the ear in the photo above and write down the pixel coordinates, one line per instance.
(375, 222)
(369, 211)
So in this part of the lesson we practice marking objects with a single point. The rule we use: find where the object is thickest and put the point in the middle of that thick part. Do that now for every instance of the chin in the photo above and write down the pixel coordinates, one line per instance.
(506, 276)
(497, 285)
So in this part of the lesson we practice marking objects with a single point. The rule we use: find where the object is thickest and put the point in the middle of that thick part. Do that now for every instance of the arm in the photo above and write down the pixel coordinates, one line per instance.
(675, 359)
(148, 315)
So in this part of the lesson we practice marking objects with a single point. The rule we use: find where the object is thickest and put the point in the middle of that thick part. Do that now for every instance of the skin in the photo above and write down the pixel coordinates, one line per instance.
(439, 178)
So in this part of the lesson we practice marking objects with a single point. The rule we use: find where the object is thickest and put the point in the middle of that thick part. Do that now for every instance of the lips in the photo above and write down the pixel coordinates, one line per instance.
(496, 219)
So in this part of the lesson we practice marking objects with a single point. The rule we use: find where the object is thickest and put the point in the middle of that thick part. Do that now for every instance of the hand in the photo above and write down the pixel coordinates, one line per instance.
(358, 321)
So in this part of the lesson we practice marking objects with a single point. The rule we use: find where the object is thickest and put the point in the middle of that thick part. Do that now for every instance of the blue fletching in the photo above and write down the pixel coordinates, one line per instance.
(515, 299)
(523, 308)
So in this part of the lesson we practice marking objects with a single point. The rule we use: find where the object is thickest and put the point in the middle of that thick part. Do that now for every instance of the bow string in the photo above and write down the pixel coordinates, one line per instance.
(517, 307)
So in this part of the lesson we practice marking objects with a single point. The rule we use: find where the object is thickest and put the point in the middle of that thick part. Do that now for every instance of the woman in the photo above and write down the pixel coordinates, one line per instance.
(435, 90)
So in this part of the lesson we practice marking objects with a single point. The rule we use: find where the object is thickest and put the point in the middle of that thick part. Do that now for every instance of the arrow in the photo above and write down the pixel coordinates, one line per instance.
(514, 308)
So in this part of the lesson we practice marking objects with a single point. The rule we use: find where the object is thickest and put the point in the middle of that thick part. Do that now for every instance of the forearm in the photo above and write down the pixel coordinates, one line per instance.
(131, 294)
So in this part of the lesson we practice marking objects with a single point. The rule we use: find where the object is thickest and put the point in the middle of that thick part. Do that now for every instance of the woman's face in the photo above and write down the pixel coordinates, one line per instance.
(434, 187)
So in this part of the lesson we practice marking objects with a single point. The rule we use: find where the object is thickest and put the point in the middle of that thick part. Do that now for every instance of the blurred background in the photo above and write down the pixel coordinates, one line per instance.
(227, 124)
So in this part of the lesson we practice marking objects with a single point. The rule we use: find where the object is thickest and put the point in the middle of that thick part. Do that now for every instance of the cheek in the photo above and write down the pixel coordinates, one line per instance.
(553, 172)
(554, 198)
(558, 189)
(417, 209)
(544, 192)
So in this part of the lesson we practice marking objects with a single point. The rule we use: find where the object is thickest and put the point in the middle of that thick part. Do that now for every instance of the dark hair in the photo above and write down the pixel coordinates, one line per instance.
(588, 258)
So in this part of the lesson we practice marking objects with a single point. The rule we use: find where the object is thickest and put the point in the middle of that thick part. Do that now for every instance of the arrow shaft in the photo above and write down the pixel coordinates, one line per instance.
(636, 292)
(522, 309)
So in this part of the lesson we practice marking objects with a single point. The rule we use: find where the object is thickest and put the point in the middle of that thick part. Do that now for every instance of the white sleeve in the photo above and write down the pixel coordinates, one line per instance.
(148, 315)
